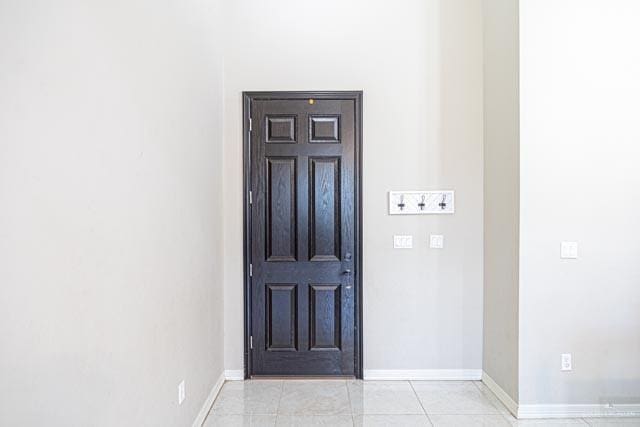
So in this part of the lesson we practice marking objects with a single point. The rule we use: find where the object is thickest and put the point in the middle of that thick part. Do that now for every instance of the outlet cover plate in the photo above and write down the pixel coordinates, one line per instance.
(569, 250)
(181, 392)
(436, 241)
(566, 364)
(402, 242)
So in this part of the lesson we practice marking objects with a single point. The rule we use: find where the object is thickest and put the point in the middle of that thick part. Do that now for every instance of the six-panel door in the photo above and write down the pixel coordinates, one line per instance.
(302, 236)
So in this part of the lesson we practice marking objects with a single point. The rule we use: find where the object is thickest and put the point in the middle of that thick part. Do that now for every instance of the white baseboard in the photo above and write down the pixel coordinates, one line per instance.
(423, 374)
(234, 375)
(209, 402)
(578, 411)
(508, 402)
(559, 411)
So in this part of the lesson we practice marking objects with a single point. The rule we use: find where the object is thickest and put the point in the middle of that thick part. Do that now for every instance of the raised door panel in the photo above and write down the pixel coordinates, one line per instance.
(324, 209)
(324, 317)
(281, 317)
(324, 129)
(281, 218)
(280, 129)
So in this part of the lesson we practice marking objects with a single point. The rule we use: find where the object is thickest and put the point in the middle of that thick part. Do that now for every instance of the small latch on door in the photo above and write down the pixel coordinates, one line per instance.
(347, 272)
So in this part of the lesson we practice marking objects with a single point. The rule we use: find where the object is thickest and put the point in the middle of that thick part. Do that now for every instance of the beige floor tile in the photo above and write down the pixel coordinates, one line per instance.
(570, 422)
(453, 397)
(314, 398)
(248, 397)
(314, 420)
(391, 420)
(240, 421)
(383, 397)
(495, 420)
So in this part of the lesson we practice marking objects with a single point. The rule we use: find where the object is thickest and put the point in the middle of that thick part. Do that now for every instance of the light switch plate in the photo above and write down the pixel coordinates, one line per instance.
(436, 241)
(421, 202)
(402, 242)
(569, 250)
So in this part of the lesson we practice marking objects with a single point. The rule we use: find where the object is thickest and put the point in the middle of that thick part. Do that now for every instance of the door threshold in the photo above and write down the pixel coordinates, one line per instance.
(304, 377)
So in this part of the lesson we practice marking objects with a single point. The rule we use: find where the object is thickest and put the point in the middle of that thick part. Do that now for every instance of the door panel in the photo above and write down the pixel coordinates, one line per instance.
(302, 245)
(281, 129)
(325, 307)
(280, 183)
(324, 208)
(324, 129)
(282, 317)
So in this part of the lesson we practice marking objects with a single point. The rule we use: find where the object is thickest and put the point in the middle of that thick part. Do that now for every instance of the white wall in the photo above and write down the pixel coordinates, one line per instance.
(580, 134)
(420, 66)
(110, 235)
(501, 193)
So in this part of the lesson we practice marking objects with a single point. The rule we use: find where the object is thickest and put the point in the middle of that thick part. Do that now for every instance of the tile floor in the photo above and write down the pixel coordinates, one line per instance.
(339, 403)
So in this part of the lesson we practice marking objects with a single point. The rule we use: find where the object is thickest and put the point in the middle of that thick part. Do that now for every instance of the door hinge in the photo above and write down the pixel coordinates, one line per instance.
(251, 342)
(250, 197)
(250, 124)
(250, 270)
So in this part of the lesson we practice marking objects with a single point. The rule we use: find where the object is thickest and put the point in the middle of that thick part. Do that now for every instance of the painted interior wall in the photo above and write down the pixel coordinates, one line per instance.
(113, 257)
(580, 181)
(501, 193)
(110, 195)
(420, 66)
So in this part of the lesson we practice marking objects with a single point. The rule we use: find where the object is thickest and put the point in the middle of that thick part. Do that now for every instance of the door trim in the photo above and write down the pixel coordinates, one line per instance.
(248, 98)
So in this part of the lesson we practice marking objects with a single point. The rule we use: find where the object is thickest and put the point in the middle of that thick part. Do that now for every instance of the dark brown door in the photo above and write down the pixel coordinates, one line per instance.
(303, 247)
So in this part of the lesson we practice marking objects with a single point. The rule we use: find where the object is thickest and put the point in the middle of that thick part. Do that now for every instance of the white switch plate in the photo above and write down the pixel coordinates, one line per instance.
(181, 392)
(436, 241)
(421, 202)
(566, 362)
(569, 250)
(402, 242)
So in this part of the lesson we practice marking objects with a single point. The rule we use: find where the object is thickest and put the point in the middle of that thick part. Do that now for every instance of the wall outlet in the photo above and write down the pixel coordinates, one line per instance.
(566, 362)
(181, 392)
(436, 241)
(569, 250)
(402, 242)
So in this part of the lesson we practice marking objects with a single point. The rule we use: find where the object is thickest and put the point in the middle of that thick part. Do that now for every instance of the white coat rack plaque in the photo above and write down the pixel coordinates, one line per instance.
(421, 202)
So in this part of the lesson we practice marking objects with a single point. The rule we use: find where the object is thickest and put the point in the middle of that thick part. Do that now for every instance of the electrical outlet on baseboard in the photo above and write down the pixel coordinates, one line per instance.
(181, 393)
(566, 362)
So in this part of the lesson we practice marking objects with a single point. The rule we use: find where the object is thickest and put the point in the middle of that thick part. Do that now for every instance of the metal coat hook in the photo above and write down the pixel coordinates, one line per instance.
(422, 204)
(443, 203)
(401, 205)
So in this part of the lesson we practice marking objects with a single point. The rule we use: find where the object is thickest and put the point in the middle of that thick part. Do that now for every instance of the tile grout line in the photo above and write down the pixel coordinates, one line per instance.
(420, 402)
(503, 414)
(275, 423)
(213, 403)
(353, 420)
